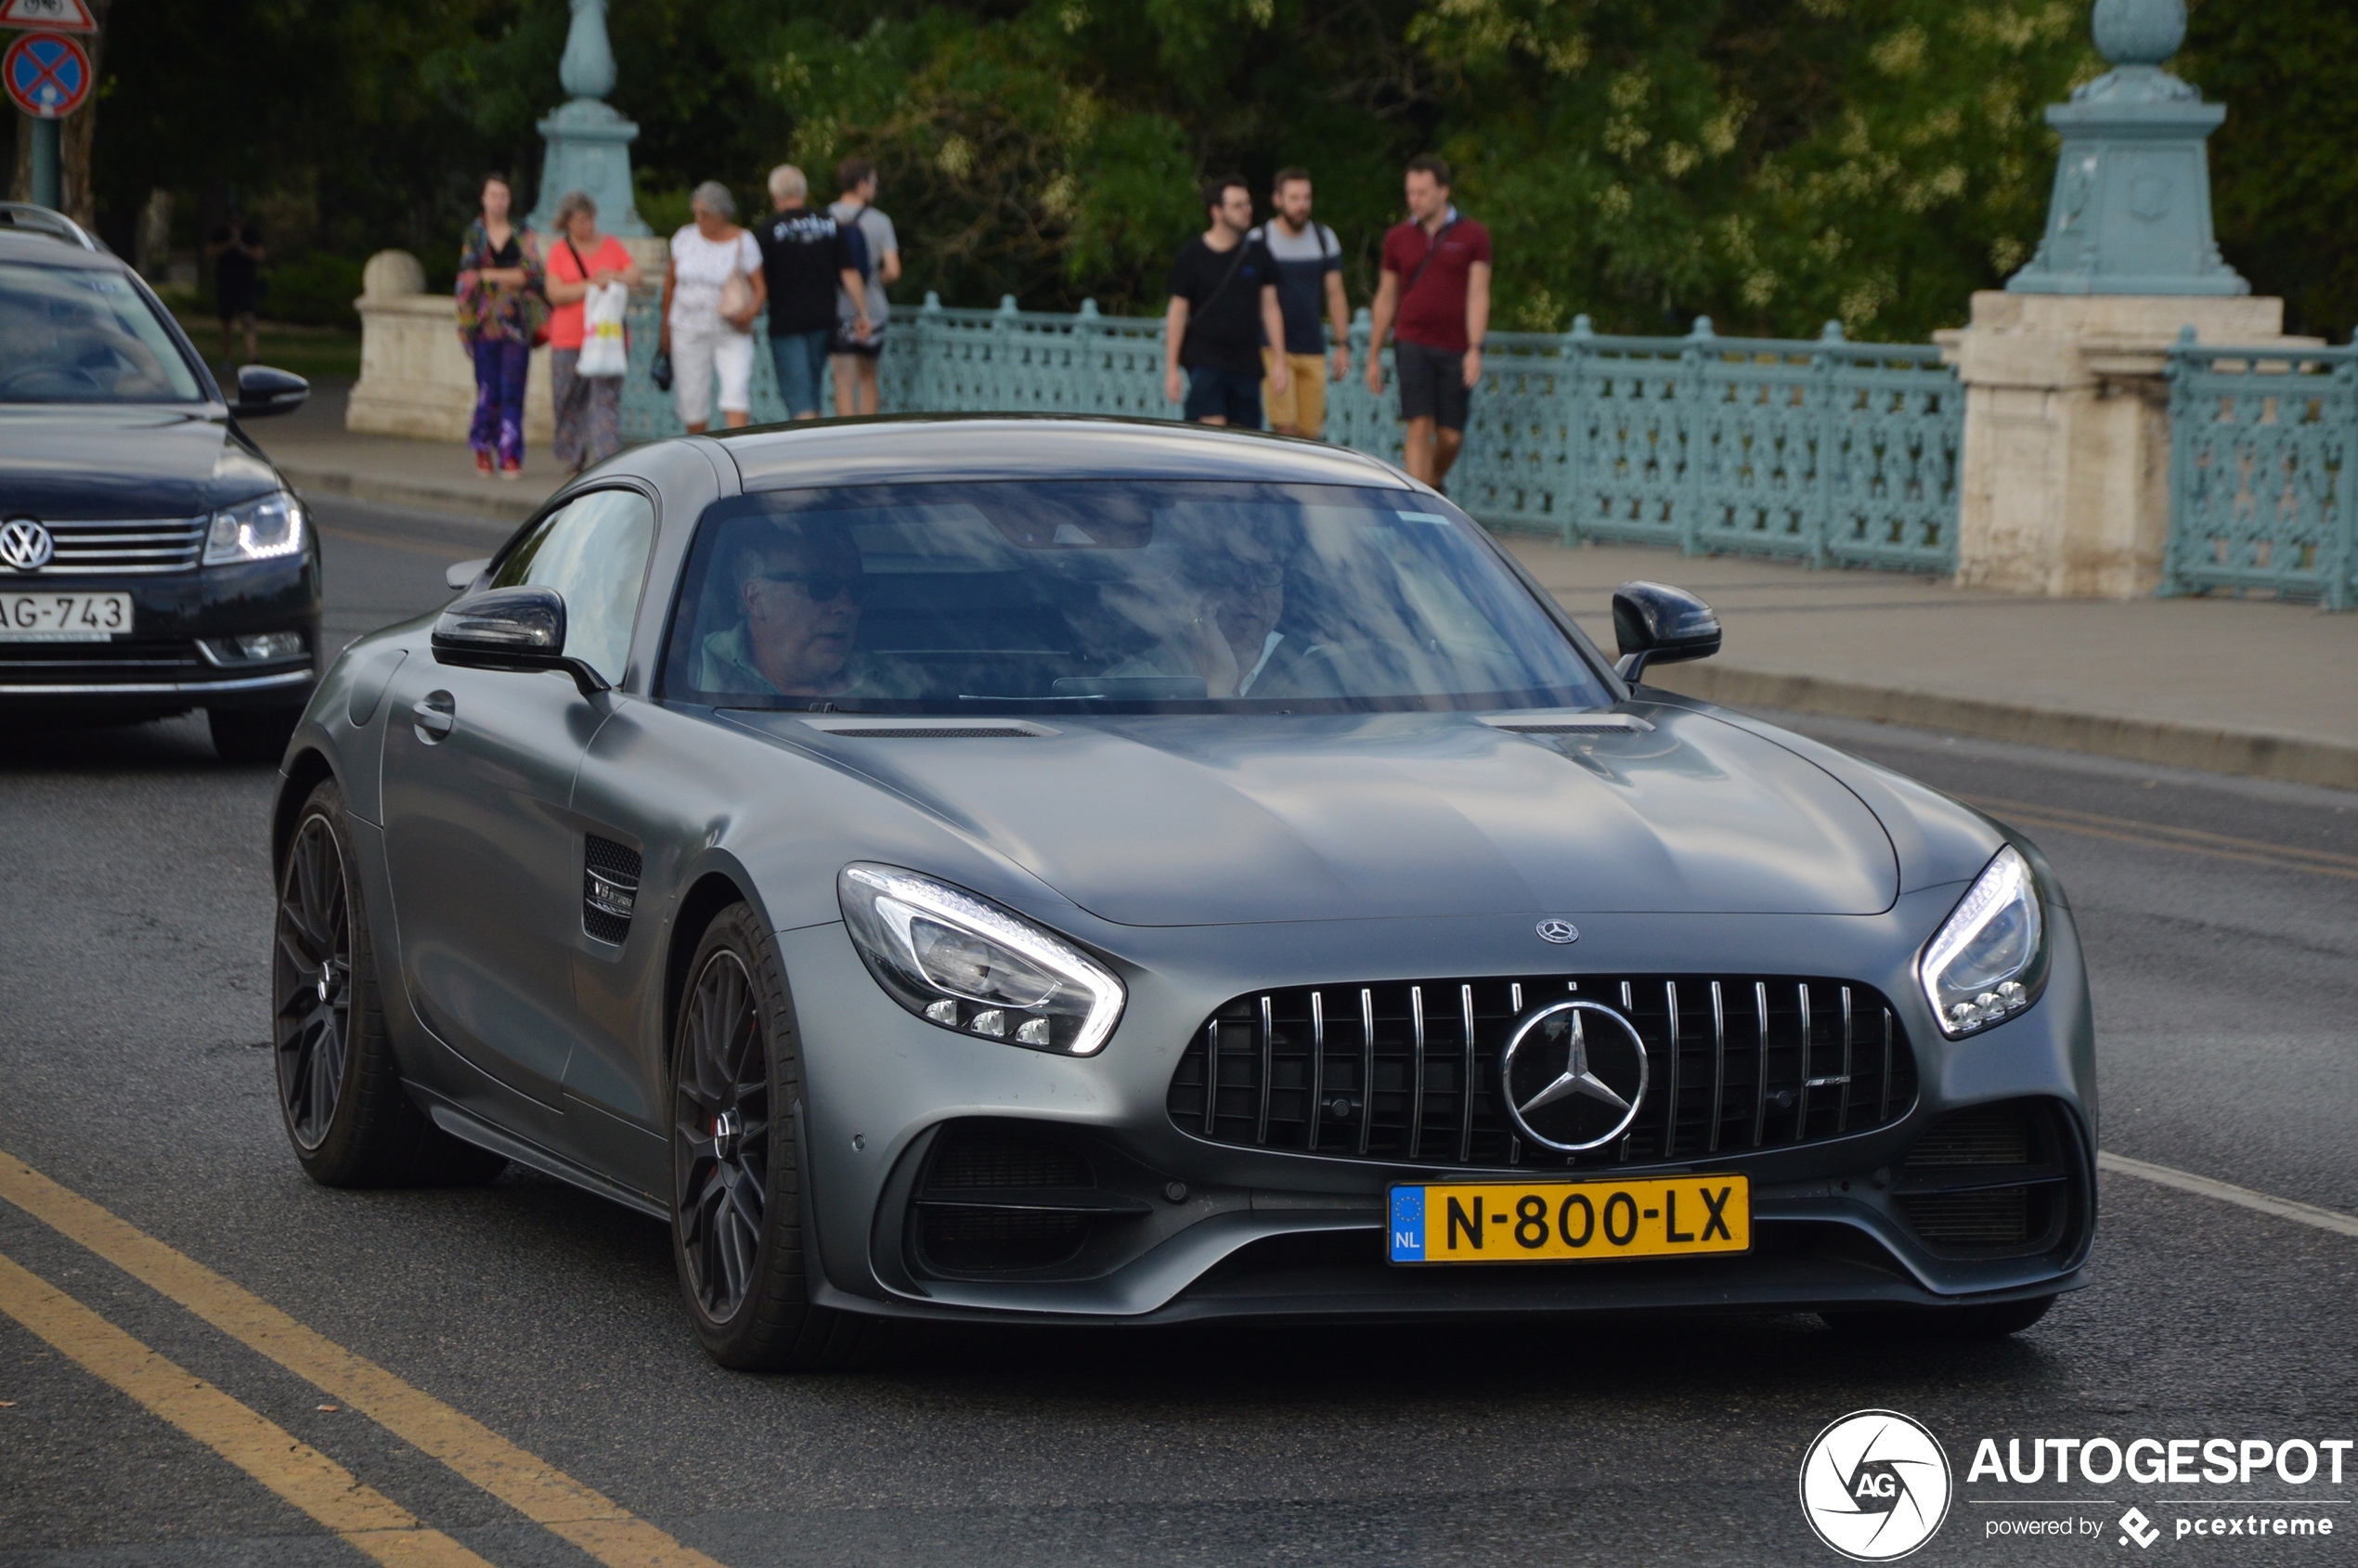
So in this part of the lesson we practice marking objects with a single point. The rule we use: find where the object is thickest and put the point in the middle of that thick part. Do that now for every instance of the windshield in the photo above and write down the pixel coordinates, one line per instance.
(73, 334)
(1109, 597)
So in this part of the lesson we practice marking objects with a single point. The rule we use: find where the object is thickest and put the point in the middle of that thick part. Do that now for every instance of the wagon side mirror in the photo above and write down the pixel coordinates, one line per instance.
(521, 629)
(261, 391)
(1657, 623)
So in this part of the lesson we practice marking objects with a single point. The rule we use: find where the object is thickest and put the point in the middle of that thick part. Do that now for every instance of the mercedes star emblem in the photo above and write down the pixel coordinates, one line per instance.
(1575, 1074)
(26, 545)
(1559, 931)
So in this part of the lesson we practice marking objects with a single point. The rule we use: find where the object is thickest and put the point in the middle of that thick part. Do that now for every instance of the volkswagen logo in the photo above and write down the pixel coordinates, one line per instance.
(1559, 931)
(26, 545)
(1575, 1074)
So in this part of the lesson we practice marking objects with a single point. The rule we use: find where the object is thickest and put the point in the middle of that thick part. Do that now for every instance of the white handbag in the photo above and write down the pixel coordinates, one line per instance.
(604, 352)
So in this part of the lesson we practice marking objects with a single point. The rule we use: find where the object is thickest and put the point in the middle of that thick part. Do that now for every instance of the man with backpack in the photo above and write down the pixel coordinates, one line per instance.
(1309, 263)
(1436, 284)
(1224, 306)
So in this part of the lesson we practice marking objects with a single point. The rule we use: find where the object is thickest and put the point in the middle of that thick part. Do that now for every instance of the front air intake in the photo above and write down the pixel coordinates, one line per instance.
(1989, 1181)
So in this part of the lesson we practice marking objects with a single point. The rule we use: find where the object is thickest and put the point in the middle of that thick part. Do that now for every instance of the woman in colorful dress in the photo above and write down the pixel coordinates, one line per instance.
(501, 309)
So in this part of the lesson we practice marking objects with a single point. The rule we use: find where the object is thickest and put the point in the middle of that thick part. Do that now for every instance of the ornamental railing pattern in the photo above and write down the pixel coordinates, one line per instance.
(1833, 452)
(2262, 492)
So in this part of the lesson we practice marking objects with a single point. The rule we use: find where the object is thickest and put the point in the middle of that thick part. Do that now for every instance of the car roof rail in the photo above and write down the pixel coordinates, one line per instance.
(48, 220)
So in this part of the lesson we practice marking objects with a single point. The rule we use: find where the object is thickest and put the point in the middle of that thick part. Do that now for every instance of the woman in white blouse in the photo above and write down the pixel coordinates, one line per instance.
(712, 288)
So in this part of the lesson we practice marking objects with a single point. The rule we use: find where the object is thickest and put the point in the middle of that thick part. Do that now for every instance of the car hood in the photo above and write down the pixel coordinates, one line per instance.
(81, 462)
(1172, 820)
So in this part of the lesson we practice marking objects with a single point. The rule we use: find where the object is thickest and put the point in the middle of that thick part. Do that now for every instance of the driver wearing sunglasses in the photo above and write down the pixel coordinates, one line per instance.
(800, 592)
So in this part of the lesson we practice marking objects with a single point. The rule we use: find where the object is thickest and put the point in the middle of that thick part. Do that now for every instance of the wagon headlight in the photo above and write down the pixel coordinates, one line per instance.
(1979, 966)
(975, 969)
(262, 529)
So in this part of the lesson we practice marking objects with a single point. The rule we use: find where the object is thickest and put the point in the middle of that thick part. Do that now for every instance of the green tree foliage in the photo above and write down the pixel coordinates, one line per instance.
(1772, 163)
(2285, 166)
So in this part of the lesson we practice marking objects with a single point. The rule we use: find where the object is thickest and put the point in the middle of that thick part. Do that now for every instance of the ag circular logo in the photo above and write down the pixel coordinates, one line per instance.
(1875, 1486)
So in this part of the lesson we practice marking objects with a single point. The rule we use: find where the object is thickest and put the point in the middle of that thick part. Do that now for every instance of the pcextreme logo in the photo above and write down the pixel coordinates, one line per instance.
(1875, 1486)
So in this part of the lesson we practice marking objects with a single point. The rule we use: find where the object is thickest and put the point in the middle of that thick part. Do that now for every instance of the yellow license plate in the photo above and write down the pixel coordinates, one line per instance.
(1570, 1222)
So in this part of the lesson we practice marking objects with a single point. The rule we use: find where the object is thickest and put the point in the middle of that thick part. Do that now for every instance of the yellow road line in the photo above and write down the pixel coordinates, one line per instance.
(530, 1485)
(295, 1471)
(2188, 841)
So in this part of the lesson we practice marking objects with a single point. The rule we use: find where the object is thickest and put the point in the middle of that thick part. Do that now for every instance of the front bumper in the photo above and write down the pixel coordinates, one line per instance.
(1195, 1229)
(179, 652)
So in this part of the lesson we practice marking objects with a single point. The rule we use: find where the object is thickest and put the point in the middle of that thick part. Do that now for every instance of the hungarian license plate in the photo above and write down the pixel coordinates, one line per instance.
(63, 617)
(1570, 1222)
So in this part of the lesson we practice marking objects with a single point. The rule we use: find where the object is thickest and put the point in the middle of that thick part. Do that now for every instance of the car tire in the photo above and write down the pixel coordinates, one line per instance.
(736, 1169)
(1954, 1325)
(340, 1093)
(249, 735)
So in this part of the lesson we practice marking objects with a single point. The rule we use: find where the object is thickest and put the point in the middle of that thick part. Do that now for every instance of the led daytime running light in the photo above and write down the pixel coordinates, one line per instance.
(2005, 885)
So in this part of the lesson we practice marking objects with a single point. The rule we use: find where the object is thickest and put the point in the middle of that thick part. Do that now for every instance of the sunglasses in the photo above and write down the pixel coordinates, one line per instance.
(824, 587)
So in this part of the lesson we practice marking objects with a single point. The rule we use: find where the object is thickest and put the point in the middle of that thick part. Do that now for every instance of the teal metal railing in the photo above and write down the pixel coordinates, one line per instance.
(2262, 495)
(1828, 451)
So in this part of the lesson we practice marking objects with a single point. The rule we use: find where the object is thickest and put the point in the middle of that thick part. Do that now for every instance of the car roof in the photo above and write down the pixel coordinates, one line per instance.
(934, 447)
(43, 248)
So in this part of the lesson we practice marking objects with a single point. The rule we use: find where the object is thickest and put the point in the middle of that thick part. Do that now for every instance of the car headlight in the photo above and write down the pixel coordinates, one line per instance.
(1980, 966)
(262, 529)
(970, 967)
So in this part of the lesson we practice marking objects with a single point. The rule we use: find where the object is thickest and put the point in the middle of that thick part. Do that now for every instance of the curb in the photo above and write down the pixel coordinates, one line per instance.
(2248, 752)
(513, 508)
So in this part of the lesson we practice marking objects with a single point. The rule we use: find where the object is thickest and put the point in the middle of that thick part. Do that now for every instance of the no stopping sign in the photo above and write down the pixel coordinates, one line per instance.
(47, 75)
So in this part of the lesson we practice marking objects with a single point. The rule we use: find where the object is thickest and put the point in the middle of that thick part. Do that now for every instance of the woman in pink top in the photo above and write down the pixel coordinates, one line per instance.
(589, 409)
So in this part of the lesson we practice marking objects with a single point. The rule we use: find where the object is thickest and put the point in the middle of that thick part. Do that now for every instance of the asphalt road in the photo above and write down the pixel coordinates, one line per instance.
(2220, 918)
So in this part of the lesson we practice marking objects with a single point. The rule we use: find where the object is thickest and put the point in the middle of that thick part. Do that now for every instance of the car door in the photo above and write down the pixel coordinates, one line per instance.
(480, 851)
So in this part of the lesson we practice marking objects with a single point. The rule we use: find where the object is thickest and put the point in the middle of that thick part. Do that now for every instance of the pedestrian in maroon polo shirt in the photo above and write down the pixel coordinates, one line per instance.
(1436, 284)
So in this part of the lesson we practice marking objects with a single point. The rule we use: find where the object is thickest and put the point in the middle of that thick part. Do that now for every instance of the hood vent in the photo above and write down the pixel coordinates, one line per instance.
(871, 728)
(1569, 723)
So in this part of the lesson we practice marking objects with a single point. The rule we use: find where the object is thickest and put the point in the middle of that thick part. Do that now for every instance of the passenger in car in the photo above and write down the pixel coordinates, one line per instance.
(797, 592)
(1220, 620)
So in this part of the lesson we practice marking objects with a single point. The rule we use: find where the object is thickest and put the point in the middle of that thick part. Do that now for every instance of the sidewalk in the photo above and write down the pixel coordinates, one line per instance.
(323, 458)
(2232, 686)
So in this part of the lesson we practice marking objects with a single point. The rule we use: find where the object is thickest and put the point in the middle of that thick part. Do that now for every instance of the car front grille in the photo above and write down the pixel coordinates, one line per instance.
(123, 548)
(1399, 1071)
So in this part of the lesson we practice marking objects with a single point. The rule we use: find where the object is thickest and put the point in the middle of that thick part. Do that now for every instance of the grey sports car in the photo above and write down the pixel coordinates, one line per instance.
(1062, 870)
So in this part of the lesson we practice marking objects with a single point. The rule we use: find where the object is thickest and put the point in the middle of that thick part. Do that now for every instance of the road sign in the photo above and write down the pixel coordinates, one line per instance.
(47, 76)
(49, 16)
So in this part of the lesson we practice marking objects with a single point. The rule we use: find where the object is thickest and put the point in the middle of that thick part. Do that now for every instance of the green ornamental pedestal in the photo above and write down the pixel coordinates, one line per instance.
(588, 141)
(2131, 212)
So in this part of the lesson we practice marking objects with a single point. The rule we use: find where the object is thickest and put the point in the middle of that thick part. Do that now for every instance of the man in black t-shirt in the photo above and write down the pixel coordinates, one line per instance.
(1224, 306)
(806, 256)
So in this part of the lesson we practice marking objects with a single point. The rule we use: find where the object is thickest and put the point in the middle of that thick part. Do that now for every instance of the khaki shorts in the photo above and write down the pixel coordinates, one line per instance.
(1303, 403)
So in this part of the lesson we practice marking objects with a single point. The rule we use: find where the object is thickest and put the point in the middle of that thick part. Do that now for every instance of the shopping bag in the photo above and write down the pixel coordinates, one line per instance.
(602, 353)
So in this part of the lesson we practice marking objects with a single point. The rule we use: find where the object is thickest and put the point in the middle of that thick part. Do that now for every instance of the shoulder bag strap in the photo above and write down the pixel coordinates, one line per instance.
(1432, 250)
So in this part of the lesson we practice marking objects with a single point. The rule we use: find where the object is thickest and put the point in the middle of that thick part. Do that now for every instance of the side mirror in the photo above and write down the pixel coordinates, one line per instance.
(1658, 624)
(521, 629)
(263, 390)
(460, 576)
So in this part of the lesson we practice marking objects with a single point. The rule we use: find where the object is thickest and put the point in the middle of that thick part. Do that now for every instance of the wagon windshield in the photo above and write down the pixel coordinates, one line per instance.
(1109, 597)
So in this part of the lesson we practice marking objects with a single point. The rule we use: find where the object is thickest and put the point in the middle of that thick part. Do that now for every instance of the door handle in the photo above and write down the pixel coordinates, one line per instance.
(435, 715)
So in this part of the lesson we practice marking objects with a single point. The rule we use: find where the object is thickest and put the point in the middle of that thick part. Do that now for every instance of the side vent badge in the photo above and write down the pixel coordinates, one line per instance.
(609, 889)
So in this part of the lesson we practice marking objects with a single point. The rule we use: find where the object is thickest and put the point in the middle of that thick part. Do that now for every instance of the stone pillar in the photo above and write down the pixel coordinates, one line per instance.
(415, 377)
(2066, 442)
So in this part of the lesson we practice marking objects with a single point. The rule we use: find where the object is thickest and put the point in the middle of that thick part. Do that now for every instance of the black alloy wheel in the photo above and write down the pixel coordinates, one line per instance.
(736, 1168)
(721, 1132)
(350, 1120)
(312, 981)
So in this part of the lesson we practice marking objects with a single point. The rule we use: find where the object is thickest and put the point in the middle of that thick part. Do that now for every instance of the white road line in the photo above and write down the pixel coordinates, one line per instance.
(2227, 1192)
